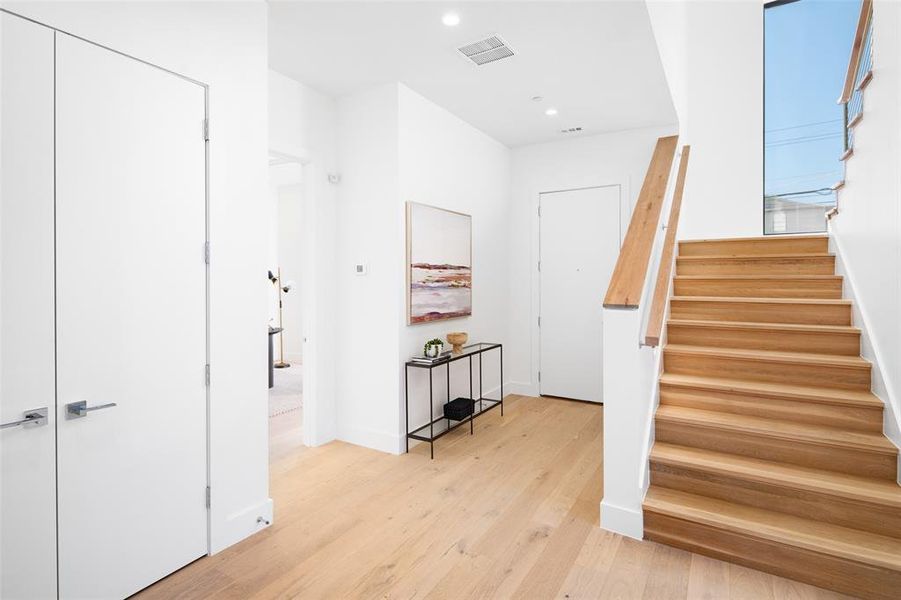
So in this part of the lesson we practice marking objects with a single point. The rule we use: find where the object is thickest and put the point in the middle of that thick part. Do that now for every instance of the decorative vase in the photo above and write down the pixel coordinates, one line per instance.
(432, 350)
(457, 339)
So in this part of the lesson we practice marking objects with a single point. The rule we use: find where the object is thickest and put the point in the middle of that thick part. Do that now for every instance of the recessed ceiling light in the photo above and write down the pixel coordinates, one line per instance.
(551, 112)
(451, 19)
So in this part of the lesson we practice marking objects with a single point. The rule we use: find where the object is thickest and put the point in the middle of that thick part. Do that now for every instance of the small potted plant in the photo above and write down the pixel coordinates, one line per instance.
(433, 348)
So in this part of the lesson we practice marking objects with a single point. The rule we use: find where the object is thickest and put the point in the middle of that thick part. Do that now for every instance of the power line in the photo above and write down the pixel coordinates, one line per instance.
(807, 175)
(802, 140)
(804, 125)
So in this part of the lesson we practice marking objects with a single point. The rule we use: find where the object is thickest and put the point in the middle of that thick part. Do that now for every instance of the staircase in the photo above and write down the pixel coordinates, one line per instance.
(768, 448)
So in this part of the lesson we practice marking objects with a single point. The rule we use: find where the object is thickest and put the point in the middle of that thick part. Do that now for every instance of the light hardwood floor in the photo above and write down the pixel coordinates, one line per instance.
(511, 512)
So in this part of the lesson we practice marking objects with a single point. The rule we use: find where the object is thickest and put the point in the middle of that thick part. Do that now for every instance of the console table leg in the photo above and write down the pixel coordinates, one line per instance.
(431, 418)
(407, 407)
(480, 382)
(448, 390)
(471, 415)
(502, 381)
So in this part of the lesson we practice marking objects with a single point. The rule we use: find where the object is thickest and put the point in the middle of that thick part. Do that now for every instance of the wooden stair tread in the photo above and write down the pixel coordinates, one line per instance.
(786, 430)
(747, 300)
(755, 238)
(860, 489)
(801, 358)
(753, 277)
(817, 536)
(741, 257)
(824, 395)
(766, 326)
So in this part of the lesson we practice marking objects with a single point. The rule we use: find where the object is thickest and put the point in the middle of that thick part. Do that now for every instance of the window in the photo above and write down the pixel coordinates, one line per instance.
(806, 47)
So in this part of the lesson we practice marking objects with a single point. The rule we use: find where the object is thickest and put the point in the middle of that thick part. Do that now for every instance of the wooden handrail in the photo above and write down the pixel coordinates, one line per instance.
(863, 21)
(631, 268)
(664, 271)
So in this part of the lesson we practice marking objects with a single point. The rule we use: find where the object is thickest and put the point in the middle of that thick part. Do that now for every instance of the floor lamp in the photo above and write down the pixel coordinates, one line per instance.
(282, 288)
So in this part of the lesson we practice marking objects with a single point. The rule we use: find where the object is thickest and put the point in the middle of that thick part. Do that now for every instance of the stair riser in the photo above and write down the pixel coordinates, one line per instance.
(761, 312)
(849, 577)
(827, 508)
(816, 342)
(797, 411)
(824, 265)
(755, 247)
(815, 374)
(828, 289)
(864, 463)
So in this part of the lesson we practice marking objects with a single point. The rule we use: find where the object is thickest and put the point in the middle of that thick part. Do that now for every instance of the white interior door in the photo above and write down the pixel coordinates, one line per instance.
(131, 321)
(579, 244)
(27, 485)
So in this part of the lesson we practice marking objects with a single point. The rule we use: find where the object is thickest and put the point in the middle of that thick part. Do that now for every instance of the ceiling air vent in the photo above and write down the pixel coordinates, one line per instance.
(491, 49)
(571, 130)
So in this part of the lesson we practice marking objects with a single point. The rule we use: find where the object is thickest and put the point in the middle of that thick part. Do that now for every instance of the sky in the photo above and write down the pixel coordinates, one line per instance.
(806, 46)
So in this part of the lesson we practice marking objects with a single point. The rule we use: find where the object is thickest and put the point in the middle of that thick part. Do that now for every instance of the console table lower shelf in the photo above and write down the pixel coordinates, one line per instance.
(442, 425)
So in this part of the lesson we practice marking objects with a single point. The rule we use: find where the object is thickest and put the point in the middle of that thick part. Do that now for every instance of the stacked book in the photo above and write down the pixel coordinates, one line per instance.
(425, 360)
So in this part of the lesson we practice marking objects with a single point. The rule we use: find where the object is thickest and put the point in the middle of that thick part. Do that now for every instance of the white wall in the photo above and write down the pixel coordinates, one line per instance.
(395, 146)
(616, 158)
(224, 45)
(867, 231)
(712, 53)
(303, 125)
(370, 232)
(448, 163)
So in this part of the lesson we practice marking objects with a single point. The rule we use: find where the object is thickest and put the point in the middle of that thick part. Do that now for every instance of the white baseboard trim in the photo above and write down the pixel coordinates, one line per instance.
(521, 388)
(623, 521)
(881, 387)
(370, 438)
(240, 525)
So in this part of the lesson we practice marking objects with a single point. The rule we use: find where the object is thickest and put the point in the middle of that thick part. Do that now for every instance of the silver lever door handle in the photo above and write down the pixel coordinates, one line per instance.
(76, 410)
(33, 418)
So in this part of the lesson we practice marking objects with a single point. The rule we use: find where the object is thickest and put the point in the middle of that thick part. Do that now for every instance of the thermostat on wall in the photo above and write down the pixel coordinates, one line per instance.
(360, 268)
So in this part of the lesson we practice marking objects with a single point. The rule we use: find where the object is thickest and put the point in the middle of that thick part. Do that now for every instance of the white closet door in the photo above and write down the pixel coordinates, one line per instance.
(27, 484)
(131, 332)
(579, 243)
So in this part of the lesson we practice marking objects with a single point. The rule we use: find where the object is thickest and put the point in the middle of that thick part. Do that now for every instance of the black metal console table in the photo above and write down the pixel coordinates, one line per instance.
(436, 428)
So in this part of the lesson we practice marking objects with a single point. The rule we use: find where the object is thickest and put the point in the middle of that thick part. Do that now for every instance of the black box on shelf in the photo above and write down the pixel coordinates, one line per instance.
(459, 409)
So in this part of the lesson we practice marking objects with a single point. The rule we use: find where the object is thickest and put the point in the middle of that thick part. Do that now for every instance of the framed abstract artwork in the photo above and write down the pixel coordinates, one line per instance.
(439, 264)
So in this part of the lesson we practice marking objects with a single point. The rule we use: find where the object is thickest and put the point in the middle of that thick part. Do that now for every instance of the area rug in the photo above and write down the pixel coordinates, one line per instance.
(287, 393)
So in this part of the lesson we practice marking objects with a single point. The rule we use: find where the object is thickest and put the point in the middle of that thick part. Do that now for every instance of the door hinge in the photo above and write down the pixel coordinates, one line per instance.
(539, 266)
(208, 496)
(539, 376)
(539, 210)
(206, 130)
(539, 321)
(207, 374)
(206, 252)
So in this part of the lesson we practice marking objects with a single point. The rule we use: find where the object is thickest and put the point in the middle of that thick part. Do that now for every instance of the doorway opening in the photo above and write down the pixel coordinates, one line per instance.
(806, 46)
(285, 305)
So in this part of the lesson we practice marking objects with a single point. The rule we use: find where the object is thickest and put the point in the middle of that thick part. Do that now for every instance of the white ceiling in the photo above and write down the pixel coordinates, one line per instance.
(596, 62)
